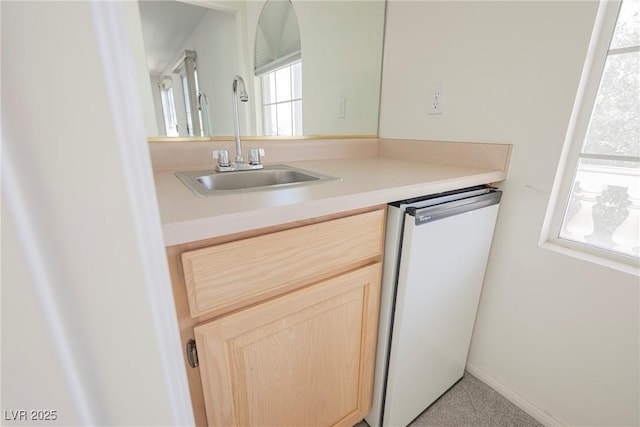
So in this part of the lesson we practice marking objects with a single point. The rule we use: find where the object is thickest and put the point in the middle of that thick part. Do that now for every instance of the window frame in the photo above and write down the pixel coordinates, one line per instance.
(169, 115)
(592, 72)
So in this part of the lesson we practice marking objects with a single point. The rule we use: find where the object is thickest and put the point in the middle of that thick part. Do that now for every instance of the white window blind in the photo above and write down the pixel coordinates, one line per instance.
(277, 37)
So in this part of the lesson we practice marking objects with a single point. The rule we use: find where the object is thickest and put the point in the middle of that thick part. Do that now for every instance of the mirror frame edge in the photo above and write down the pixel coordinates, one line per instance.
(160, 139)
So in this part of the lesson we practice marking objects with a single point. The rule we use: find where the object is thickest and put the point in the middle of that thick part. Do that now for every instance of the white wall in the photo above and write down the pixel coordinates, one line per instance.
(134, 30)
(32, 377)
(557, 334)
(59, 134)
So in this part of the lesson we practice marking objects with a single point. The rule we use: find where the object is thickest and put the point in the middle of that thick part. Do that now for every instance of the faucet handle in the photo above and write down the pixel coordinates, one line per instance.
(254, 155)
(222, 156)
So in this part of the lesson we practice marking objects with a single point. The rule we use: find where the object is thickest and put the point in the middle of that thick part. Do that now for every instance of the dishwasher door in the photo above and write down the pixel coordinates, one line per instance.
(439, 279)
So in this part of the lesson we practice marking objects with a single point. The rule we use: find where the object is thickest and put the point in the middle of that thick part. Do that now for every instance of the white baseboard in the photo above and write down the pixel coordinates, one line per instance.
(514, 397)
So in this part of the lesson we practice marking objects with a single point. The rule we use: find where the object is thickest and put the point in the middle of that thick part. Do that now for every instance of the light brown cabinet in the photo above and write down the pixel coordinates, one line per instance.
(295, 360)
(285, 321)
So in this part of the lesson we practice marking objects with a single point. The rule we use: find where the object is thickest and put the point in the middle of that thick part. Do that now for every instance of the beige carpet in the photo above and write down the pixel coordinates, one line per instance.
(471, 403)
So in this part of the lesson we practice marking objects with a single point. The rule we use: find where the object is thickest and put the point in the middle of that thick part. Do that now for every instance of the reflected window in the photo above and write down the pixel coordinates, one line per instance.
(187, 69)
(282, 101)
(169, 110)
(168, 107)
(278, 64)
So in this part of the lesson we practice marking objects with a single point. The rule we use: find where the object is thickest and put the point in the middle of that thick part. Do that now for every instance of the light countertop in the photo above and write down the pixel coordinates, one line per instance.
(364, 182)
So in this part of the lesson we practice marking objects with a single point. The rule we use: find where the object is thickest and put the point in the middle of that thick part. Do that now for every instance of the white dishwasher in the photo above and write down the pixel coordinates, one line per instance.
(436, 252)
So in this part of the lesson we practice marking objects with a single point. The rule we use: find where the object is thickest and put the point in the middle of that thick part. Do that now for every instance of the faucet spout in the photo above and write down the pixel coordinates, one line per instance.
(239, 91)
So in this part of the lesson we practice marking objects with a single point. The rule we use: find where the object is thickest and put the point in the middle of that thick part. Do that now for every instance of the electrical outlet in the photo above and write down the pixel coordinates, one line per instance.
(436, 104)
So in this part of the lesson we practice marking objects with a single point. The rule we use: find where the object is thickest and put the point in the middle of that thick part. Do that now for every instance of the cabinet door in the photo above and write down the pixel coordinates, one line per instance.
(303, 359)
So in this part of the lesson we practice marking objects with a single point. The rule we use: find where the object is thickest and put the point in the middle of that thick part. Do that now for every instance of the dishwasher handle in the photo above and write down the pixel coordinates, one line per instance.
(444, 210)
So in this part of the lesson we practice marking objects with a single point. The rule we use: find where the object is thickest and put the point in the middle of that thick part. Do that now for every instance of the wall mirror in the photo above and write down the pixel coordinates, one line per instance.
(329, 85)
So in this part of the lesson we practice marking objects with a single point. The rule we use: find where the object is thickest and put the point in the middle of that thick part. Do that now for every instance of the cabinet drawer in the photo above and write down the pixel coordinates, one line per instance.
(231, 275)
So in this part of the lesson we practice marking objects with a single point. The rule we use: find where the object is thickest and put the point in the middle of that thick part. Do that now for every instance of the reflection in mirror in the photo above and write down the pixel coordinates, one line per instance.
(278, 65)
(337, 68)
(193, 119)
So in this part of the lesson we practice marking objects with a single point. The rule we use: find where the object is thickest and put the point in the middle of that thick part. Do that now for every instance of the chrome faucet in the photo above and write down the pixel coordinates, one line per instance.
(224, 165)
(242, 94)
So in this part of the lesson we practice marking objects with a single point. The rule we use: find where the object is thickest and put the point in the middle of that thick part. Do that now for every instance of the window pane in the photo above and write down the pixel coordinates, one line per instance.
(268, 89)
(627, 31)
(169, 112)
(283, 84)
(297, 117)
(615, 123)
(604, 207)
(285, 115)
(270, 124)
(296, 75)
(285, 125)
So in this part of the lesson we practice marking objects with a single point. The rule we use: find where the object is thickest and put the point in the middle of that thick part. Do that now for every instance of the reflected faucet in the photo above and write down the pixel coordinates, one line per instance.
(203, 106)
(238, 92)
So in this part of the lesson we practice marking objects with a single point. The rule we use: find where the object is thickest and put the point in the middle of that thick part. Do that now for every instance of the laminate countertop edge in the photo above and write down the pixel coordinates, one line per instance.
(363, 183)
